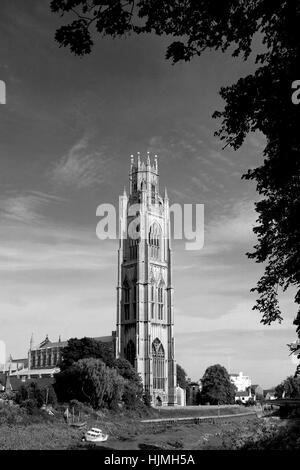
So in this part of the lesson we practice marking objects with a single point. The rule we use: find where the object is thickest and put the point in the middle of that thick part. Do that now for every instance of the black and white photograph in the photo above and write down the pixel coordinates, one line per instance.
(149, 228)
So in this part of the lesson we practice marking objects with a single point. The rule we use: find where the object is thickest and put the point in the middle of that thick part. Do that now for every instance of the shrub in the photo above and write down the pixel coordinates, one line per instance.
(11, 415)
(250, 402)
(130, 396)
(32, 391)
(30, 405)
(147, 399)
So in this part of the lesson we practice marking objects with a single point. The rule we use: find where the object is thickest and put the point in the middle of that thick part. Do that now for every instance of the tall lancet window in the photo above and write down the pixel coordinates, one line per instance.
(160, 302)
(126, 292)
(133, 243)
(134, 300)
(152, 300)
(154, 241)
(134, 184)
(158, 365)
(130, 352)
(153, 193)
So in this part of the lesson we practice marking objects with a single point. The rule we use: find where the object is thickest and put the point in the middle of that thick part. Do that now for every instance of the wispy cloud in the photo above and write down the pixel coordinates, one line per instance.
(221, 157)
(26, 207)
(233, 227)
(50, 247)
(81, 167)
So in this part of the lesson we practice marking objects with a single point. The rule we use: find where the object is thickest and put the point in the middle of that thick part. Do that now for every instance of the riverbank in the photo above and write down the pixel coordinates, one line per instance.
(128, 432)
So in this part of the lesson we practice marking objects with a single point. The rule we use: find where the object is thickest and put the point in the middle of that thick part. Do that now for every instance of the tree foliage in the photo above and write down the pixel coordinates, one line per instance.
(127, 371)
(133, 387)
(217, 387)
(260, 101)
(181, 377)
(84, 348)
(40, 395)
(90, 381)
(289, 388)
(77, 380)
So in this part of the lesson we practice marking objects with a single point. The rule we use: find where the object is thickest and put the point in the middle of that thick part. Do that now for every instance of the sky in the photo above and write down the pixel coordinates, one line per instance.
(67, 131)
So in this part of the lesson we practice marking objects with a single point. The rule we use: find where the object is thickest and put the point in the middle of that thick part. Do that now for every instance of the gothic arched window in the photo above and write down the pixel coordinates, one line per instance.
(158, 365)
(160, 301)
(133, 243)
(134, 184)
(153, 193)
(152, 300)
(126, 293)
(130, 352)
(134, 300)
(154, 241)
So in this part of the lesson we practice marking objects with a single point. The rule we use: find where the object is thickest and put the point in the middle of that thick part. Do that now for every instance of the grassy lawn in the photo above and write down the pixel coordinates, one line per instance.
(197, 411)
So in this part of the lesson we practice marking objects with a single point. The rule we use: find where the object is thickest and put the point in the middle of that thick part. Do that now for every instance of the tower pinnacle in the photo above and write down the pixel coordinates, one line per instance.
(31, 341)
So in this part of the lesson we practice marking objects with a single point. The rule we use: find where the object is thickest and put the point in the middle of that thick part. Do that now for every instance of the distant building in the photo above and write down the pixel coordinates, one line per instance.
(269, 394)
(46, 355)
(256, 392)
(43, 360)
(242, 382)
(243, 397)
(192, 392)
(2, 381)
(12, 383)
(13, 365)
(180, 396)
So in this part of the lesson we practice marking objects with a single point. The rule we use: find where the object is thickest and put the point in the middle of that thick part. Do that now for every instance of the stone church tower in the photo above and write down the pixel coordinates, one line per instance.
(144, 291)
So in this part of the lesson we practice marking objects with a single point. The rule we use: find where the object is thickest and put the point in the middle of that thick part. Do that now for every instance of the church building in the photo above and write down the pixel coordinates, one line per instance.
(145, 320)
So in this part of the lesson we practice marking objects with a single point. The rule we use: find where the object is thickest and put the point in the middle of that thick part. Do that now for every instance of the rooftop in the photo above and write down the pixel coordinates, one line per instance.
(242, 394)
(47, 343)
(26, 372)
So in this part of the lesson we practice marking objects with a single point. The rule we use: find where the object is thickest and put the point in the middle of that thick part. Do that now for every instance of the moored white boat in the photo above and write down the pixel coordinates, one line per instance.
(95, 435)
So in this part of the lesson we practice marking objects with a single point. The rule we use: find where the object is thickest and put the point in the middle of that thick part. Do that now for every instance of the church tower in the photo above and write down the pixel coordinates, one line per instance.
(144, 291)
